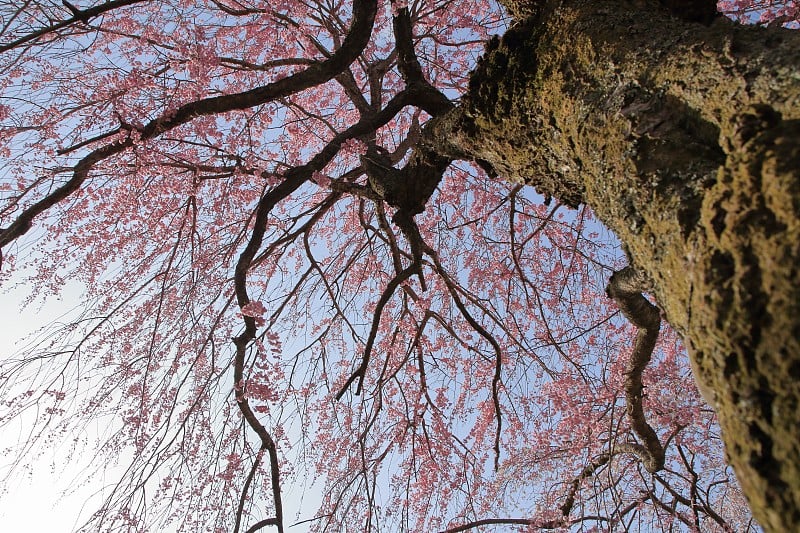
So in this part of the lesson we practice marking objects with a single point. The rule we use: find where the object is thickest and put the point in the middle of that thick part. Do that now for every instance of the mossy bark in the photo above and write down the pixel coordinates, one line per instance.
(685, 140)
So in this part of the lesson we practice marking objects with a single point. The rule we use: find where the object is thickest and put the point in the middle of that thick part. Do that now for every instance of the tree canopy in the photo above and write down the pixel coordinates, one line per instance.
(300, 277)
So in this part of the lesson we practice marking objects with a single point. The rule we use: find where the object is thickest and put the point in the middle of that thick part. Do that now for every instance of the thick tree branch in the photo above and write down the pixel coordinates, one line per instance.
(429, 98)
(625, 288)
(491, 522)
(78, 15)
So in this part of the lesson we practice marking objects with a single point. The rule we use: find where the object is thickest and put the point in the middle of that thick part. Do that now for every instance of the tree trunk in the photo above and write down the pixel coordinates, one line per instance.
(685, 140)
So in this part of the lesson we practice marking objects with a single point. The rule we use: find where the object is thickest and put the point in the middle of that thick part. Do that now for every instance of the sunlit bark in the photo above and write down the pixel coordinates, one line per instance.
(685, 140)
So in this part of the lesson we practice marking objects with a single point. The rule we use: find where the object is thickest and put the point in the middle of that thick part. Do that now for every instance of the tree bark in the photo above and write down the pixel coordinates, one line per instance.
(685, 140)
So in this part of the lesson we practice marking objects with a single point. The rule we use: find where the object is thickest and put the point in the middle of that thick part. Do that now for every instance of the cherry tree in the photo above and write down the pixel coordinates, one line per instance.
(362, 248)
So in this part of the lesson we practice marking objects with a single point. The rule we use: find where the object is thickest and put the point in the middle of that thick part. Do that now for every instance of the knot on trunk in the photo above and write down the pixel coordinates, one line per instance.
(407, 189)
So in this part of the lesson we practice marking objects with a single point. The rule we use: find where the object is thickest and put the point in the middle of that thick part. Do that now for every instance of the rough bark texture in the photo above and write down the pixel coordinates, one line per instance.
(685, 140)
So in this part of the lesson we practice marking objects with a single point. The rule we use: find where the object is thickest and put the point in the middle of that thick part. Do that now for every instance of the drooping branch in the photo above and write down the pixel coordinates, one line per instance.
(363, 18)
(566, 507)
(497, 380)
(360, 372)
(587, 472)
(292, 180)
(625, 287)
(408, 189)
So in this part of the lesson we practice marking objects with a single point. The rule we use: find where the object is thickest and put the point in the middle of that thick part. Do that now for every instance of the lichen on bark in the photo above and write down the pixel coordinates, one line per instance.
(684, 140)
(744, 327)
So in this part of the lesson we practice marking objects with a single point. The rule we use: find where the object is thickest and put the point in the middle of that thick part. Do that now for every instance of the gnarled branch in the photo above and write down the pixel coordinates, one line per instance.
(625, 288)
